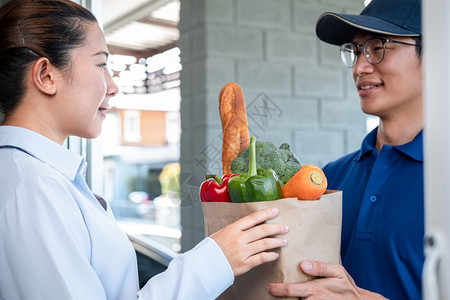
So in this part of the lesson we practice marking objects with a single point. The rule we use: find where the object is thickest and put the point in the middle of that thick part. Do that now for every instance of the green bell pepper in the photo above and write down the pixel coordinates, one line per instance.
(256, 185)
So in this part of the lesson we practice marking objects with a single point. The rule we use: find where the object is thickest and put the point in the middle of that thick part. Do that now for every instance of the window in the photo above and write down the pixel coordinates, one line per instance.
(132, 126)
(140, 147)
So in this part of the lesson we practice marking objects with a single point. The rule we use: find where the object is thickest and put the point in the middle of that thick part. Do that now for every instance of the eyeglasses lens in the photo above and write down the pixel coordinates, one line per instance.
(373, 51)
(349, 54)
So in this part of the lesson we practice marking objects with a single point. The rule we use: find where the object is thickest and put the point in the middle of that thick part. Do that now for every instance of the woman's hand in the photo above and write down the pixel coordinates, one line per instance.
(334, 283)
(245, 241)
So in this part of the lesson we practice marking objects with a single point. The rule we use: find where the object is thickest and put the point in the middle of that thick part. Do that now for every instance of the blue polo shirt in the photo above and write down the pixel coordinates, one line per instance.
(383, 216)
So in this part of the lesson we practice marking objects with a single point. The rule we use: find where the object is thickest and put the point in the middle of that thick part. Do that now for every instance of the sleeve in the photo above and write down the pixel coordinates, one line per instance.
(45, 246)
(201, 273)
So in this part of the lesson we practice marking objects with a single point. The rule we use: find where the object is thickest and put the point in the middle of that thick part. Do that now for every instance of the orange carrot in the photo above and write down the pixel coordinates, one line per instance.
(309, 183)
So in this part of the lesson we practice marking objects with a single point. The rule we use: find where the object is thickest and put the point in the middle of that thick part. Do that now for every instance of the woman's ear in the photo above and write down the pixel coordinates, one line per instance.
(43, 75)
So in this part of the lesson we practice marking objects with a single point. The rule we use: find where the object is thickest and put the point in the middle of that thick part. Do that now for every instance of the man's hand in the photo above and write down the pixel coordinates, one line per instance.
(245, 241)
(334, 283)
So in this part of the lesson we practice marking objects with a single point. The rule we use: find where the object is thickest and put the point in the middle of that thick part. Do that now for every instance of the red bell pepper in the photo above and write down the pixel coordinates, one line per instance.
(214, 189)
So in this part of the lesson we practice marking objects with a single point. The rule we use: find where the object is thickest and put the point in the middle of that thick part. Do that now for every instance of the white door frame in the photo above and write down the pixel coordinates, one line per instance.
(436, 32)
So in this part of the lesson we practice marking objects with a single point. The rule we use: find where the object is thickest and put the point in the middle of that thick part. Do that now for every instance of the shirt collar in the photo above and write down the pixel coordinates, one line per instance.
(53, 154)
(413, 149)
(368, 144)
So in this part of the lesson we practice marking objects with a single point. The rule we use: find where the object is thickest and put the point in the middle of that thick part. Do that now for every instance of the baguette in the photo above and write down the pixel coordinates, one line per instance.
(233, 115)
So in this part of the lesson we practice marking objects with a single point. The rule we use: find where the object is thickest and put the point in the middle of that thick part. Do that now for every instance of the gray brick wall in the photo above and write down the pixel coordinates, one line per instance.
(296, 89)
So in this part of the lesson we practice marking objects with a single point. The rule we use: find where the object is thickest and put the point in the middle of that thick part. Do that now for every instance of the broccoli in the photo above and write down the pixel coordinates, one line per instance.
(281, 160)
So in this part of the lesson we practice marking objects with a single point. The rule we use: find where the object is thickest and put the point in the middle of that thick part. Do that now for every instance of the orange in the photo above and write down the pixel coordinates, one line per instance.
(309, 183)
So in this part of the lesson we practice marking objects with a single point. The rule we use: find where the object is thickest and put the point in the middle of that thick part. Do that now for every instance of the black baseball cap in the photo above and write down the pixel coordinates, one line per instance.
(384, 17)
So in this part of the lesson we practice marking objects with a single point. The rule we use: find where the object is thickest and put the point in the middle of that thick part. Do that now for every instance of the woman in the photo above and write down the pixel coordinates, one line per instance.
(56, 240)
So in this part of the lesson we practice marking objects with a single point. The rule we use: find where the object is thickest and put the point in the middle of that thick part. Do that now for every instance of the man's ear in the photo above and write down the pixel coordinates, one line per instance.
(43, 75)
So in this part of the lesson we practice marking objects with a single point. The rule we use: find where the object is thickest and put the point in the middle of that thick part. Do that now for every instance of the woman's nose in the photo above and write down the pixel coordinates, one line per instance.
(112, 88)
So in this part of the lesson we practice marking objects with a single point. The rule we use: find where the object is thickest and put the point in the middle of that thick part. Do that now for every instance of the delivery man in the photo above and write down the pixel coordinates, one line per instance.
(382, 182)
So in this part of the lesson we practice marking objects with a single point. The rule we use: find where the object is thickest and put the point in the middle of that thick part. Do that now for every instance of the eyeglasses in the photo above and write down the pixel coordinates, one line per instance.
(373, 50)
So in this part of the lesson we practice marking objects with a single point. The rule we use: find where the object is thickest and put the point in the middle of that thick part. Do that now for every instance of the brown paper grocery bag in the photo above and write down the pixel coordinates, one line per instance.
(314, 233)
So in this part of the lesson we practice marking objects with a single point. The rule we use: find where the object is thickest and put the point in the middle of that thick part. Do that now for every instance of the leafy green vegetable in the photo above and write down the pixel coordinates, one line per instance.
(281, 160)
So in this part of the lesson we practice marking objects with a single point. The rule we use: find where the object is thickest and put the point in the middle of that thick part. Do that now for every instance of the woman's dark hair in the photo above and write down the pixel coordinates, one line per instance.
(30, 29)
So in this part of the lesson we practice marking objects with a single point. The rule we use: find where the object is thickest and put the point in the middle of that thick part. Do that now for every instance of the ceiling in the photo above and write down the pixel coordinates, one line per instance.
(141, 27)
